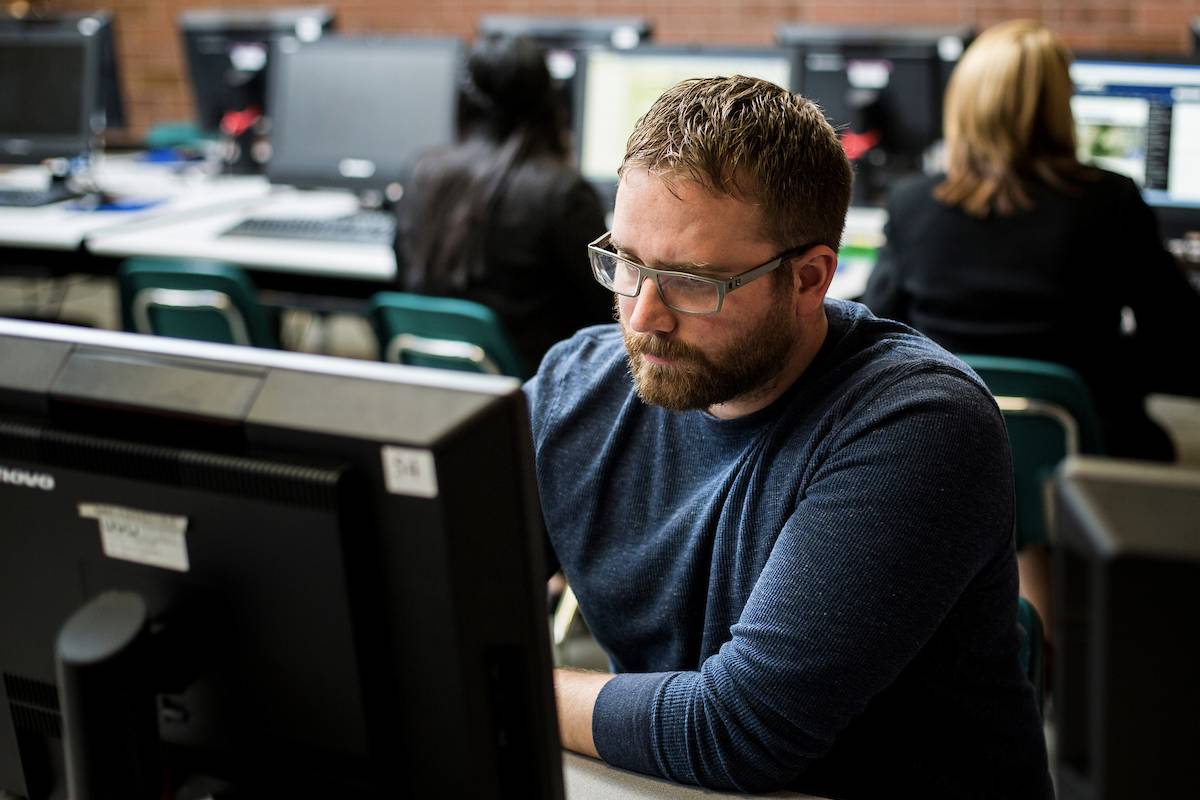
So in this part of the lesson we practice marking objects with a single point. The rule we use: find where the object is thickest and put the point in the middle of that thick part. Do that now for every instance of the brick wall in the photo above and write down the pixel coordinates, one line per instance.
(156, 89)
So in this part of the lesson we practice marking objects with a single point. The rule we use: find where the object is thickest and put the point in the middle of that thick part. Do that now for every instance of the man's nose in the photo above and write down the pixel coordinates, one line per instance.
(649, 314)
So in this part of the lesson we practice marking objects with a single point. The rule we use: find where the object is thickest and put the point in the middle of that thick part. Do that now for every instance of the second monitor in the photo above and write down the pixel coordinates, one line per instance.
(355, 112)
(616, 87)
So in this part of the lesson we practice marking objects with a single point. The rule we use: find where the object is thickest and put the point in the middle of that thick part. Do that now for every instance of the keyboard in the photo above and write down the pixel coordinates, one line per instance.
(30, 198)
(363, 227)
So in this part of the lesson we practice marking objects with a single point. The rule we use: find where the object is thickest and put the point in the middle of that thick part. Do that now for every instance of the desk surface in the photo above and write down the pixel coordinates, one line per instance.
(591, 779)
(200, 237)
(168, 194)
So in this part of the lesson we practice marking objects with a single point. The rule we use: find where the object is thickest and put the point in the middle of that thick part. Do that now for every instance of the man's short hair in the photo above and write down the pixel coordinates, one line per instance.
(750, 139)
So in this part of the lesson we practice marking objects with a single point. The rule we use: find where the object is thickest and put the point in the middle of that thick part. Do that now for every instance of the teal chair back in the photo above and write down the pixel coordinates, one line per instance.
(1033, 647)
(1049, 414)
(192, 299)
(442, 332)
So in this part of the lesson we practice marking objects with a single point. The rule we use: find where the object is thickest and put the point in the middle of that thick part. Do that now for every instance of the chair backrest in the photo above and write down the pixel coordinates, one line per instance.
(1033, 647)
(1049, 414)
(442, 332)
(193, 299)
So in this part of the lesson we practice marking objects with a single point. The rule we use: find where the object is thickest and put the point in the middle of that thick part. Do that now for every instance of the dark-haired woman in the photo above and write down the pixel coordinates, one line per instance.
(500, 217)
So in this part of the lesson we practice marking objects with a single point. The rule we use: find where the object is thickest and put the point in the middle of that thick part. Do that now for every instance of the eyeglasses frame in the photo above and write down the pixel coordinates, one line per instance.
(723, 285)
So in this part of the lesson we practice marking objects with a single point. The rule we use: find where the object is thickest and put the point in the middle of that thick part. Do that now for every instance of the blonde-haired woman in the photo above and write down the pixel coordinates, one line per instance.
(1021, 250)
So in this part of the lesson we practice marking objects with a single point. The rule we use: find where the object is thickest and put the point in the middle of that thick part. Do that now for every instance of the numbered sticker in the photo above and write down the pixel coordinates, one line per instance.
(409, 471)
(143, 537)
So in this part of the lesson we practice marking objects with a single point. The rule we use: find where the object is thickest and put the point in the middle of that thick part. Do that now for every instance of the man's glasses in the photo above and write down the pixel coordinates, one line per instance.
(679, 291)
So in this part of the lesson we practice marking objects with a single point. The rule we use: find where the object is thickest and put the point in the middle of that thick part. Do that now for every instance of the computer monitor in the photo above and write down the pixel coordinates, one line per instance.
(355, 112)
(1143, 120)
(101, 25)
(616, 87)
(1126, 598)
(228, 54)
(280, 573)
(882, 88)
(49, 78)
(563, 39)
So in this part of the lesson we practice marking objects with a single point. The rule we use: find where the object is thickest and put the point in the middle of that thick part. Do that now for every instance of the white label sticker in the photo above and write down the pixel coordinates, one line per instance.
(409, 471)
(143, 537)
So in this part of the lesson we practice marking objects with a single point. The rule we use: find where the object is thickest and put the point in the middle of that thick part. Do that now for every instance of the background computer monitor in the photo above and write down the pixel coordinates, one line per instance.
(355, 112)
(882, 88)
(563, 38)
(49, 77)
(341, 564)
(1143, 120)
(1126, 595)
(109, 96)
(616, 87)
(228, 54)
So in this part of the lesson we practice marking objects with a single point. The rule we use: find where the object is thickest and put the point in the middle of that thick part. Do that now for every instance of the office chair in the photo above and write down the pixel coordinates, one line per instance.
(1033, 648)
(1049, 414)
(442, 332)
(192, 299)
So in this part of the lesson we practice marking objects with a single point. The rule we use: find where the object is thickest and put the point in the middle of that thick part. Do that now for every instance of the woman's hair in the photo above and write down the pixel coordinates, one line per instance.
(507, 113)
(1008, 120)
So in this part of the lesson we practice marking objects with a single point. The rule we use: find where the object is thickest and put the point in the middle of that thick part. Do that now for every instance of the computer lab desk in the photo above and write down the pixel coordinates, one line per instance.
(289, 266)
(149, 193)
(592, 779)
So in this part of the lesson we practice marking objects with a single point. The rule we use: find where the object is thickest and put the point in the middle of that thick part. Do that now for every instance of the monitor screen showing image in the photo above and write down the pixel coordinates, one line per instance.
(1142, 120)
(618, 86)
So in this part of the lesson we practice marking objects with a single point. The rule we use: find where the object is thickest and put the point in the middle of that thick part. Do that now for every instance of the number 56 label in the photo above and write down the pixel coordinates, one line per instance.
(409, 471)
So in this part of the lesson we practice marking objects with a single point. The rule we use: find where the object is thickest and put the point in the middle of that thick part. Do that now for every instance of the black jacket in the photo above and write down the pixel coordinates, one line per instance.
(1049, 283)
(535, 273)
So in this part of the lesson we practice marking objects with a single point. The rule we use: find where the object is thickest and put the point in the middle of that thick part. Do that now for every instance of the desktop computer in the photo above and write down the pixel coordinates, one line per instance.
(50, 79)
(356, 113)
(616, 87)
(101, 25)
(882, 89)
(1142, 119)
(228, 55)
(227, 571)
(1126, 596)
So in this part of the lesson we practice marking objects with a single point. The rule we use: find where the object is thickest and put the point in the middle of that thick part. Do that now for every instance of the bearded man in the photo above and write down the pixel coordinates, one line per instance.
(788, 523)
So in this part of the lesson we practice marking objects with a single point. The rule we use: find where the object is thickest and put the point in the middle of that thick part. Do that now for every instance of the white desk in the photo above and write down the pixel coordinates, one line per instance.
(591, 779)
(200, 237)
(179, 195)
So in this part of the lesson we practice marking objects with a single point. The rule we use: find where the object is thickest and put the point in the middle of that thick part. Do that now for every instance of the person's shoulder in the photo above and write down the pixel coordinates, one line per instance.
(913, 190)
(580, 360)
(879, 353)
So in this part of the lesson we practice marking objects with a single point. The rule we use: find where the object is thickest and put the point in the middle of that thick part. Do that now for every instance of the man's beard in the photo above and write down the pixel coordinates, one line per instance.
(743, 369)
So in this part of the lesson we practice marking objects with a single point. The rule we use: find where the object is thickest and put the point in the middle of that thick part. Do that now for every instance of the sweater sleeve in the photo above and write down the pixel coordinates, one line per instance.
(911, 498)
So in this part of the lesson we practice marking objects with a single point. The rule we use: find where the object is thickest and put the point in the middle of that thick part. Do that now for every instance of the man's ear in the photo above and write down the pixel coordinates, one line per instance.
(813, 275)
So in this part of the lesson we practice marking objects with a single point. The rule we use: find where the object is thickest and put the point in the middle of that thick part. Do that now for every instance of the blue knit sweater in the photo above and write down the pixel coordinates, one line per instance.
(820, 595)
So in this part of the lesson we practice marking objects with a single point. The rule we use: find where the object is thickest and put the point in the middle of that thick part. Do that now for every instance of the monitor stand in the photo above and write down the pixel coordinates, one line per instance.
(107, 663)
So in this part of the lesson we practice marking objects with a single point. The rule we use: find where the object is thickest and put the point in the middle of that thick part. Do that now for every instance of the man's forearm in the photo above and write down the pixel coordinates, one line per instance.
(575, 692)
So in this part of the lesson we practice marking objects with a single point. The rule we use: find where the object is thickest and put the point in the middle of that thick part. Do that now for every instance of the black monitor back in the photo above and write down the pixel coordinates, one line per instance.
(228, 54)
(356, 112)
(109, 96)
(341, 564)
(50, 77)
(879, 82)
(1127, 599)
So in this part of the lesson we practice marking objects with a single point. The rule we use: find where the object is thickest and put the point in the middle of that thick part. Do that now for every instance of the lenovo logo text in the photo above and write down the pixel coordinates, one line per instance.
(30, 480)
